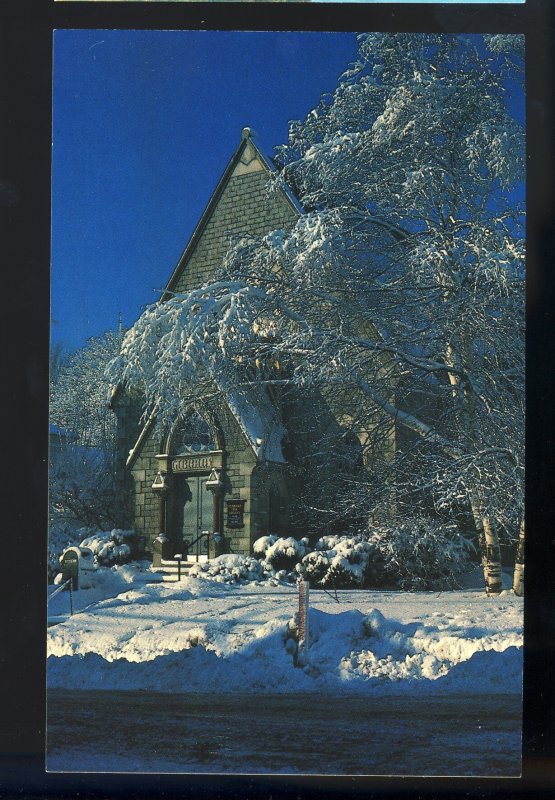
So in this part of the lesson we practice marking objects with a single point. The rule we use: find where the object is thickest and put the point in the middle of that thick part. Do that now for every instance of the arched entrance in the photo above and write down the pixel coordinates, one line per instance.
(195, 459)
(193, 514)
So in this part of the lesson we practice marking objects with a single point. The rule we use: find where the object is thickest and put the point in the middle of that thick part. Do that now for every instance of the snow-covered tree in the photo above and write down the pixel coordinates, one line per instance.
(79, 391)
(399, 294)
(81, 473)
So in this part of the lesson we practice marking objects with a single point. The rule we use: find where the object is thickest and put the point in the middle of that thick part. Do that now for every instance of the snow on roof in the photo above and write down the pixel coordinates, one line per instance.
(253, 411)
(257, 418)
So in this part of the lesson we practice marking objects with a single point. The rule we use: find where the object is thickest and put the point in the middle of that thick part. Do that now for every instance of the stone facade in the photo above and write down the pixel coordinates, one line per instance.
(241, 204)
(244, 208)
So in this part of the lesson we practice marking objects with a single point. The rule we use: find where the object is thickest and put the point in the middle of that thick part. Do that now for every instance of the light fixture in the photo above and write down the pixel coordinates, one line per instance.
(214, 482)
(160, 484)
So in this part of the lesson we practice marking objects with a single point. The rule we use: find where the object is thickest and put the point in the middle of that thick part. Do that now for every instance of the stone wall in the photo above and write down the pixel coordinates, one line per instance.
(147, 503)
(244, 208)
(240, 461)
(127, 407)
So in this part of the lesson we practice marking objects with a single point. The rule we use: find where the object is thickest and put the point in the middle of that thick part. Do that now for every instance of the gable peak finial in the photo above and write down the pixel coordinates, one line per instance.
(246, 133)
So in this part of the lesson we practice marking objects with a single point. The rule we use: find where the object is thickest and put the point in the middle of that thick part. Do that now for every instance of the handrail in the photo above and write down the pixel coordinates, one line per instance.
(59, 589)
(188, 545)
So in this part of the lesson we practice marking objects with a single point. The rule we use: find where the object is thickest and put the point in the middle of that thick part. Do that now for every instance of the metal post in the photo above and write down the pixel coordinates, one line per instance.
(71, 596)
(302, 640)
(206, 537)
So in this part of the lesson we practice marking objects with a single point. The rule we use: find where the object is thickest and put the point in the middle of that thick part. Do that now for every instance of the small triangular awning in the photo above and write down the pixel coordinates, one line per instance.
(259, 421)
(257, 418)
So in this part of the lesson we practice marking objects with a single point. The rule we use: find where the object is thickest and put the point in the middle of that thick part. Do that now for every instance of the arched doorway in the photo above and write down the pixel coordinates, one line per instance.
(195, 453)
(194, 514)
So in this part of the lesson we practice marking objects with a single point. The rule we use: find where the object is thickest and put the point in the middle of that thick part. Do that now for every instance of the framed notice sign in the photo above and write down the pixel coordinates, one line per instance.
(235, 513)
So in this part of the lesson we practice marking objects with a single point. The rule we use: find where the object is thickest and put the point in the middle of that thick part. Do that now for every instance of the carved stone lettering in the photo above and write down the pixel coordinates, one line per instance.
(192, 464)
(201, 462)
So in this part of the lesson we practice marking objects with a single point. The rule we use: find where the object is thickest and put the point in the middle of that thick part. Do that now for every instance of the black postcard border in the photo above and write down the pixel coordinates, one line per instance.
(25, 135)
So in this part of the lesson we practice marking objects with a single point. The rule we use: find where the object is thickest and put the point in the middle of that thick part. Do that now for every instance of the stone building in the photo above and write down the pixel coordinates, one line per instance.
(226, 467)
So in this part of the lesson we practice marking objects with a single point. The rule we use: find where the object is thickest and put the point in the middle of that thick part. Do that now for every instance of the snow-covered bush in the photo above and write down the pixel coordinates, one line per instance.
(349, 562)
(229, 569)
(111, 547)
(249, 569)
(422, 554)
(341, 562)
(262, 545)
(418, 554)
(337, 561)
(279, 553)
(315, 567)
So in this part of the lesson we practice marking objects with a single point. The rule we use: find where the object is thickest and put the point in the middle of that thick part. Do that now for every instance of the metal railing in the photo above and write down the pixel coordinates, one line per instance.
(60, 588)
(188, 546)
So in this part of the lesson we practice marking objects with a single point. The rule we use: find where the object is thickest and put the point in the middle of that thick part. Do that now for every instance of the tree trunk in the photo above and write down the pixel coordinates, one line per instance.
(492, 559)
(518, 581)
(489, 547)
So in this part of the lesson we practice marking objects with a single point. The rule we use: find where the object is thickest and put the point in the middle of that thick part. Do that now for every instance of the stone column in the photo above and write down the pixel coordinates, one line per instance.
(162, 545)
(214, 484)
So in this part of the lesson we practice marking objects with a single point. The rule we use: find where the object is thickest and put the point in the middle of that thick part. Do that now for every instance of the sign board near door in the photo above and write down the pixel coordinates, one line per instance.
(235, 513)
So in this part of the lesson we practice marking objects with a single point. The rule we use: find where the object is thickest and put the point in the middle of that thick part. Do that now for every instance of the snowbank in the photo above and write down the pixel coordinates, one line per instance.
(106, 582)
(201, 635)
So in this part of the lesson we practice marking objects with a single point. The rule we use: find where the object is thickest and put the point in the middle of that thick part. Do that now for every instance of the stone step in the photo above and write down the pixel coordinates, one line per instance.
(169, 569)
(172, 566)
(169, 575)
(172, 569)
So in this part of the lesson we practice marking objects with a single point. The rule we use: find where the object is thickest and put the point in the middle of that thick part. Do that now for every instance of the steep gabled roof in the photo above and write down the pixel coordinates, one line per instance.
(247, 158)
(256, 418)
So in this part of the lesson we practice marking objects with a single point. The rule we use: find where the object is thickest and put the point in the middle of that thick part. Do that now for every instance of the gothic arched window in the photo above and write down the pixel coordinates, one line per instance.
(193, 435)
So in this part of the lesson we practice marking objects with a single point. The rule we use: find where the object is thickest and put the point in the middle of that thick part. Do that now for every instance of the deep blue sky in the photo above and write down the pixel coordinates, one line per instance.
(144, 124)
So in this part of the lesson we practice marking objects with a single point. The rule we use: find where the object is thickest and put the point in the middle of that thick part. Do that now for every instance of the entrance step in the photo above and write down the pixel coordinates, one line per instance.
(169, 568)
(170, 562)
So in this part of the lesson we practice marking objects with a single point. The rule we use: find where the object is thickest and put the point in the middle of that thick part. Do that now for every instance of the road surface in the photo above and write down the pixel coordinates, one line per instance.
(137, 731)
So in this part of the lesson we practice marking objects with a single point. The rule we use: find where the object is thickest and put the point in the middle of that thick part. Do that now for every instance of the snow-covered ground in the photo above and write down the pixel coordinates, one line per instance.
(200, 634)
